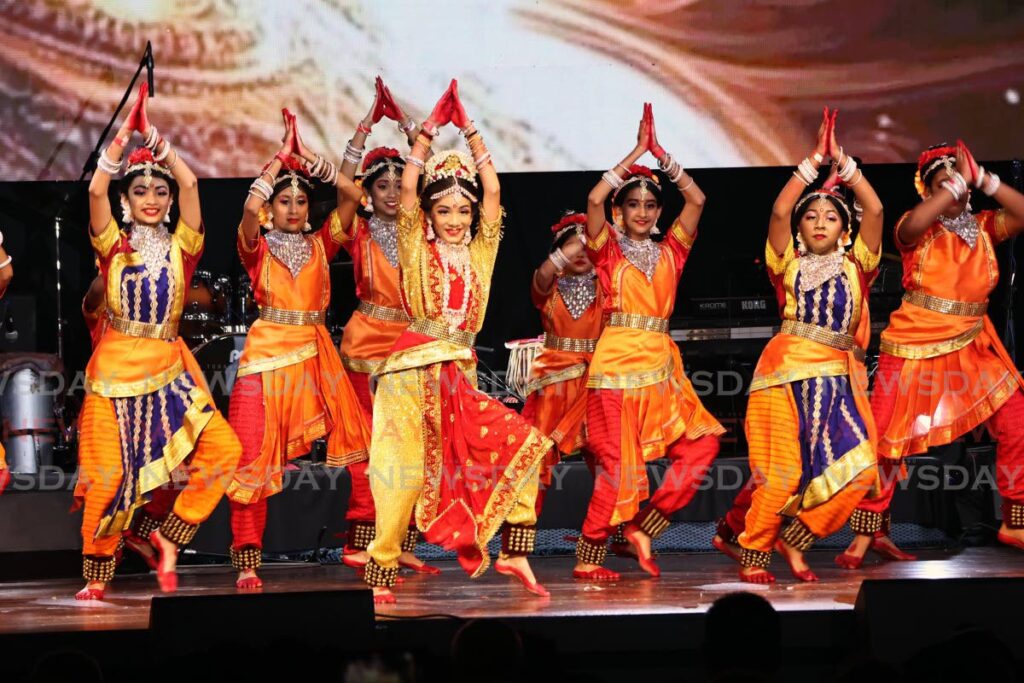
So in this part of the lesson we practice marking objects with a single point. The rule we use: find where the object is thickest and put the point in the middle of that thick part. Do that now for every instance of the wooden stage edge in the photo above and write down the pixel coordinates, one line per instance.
(689, 584)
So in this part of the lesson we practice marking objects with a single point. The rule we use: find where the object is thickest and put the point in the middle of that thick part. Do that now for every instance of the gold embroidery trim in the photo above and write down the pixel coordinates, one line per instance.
(564, 375)
(832, 368)
(138, 388)
(634, 380)
(680, 234)
(134, 328)
(816, 333)
(106, 240)
(834, 479)
(438, 330)
(915, 352)
(394, 315)
(947, 306)
(304, 352)
(284, 316)
(778, 264)
(189, 239)
(596, 243)
(368, 367)
(571, 344)
(636, 321)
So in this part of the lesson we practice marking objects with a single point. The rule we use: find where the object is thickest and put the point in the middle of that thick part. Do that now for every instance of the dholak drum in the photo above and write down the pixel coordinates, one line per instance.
(218, 359)
(206, 307)
(31, 386)
(522, 353)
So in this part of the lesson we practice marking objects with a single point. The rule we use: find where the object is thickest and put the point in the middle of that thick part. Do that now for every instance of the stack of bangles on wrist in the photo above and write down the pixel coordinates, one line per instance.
(559, 260)
(986, 181)
(481, 157)
(846, 168)
(673, 170)
(107, 166)
(415, 161)
(429, 129)
(612, 178)
(806, 172)
(353, 154)
(407, 127)
(956, 185)
(261, 189)
(324, 170)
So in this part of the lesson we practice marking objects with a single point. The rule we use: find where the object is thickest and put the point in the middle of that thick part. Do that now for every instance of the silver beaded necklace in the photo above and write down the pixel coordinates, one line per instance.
(643, 254)
(577, 292)
(290, 248)
(965, 225)
(816, 270)
(385, 234)
(153, 243)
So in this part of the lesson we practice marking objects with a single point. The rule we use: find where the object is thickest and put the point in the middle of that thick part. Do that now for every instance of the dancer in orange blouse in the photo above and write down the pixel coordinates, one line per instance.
(569, 299)
(942, 370)
(291, 387)
(371, 239)
(465, 462)
(640, 406)
(6, 273)
(148, 417)
(809, 427)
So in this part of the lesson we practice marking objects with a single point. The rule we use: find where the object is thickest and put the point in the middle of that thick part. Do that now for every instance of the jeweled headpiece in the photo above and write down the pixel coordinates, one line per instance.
(295, 176)
(824, 194)
(142, 160)
(942, 155)
(572, 221)
(638, 175)
(384, 157)
(451, 164)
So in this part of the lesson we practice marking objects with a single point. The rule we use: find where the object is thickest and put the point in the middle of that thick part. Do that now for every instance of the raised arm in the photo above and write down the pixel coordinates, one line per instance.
(1010, 199)
(188, 185)
(440, 116)
(349, 194)
(949, 193)
(108, 165)
(490, 204)
(779, 227)
(692, 194)
(612, 179)
(864, 194)
(263, 187)
(555, 263)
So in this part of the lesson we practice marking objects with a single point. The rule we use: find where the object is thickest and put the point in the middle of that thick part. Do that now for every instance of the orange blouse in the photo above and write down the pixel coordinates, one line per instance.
(370, 334)
(271, 345)
(554, 365)
(942, 265)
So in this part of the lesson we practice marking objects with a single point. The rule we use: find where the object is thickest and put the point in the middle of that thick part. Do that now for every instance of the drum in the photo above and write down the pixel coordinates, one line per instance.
(206, 307)
(522, 353)
(246, 310)
(218, 359)
(30, 388)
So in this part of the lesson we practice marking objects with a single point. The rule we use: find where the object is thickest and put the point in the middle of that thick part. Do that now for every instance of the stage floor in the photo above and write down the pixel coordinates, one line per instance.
(689, 584)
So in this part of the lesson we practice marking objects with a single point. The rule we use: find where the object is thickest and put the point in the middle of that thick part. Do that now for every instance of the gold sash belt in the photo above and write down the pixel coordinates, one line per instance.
(394, 315)
(438, 330)
(284, 316)
(636, 321)
(947, 306)
(134, 328)
(571, 344)
(822, 335)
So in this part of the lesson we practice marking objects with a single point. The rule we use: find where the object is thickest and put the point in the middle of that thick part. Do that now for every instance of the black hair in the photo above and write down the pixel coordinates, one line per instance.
(926, 178)
(620, 197)
(284, 181)
(126, 182)
(566, 235)
(447, 183)
(841, 206)
(369, 180)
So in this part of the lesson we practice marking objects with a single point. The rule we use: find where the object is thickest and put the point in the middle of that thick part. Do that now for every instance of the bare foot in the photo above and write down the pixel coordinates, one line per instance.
(143, 549)
(641, 542)
(167, 561)
(860, 545)
(1011, 537)
(356, 560)
(797, 564)
(730, 550)
(594, 572)
(756, 575)
(247, 580)
(383, 596)
(884, 546)
(94, 590)
(410, 561)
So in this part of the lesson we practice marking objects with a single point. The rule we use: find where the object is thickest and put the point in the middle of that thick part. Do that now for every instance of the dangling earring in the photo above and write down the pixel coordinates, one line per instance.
(844, 241)
(466, 238)
(126, 212)
(431, 235)
(307, 227)
(268, 221)
(369, 203)
(655, 230)
(167, 214)
(800, 246)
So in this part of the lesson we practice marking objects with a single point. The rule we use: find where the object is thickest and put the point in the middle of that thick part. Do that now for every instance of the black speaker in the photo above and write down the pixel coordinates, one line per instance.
(192, 623)
(900, 617)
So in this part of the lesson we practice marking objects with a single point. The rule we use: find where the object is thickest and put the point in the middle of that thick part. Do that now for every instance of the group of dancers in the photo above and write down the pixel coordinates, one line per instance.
(431, 455)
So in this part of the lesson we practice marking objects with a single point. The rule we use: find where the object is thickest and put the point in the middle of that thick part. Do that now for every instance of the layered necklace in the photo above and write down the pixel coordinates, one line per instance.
(385, 234)
(290, 248)
(965, 225)
(153, 243)
(816, 270)
(454, 262)
(643, 254)
(577, 292)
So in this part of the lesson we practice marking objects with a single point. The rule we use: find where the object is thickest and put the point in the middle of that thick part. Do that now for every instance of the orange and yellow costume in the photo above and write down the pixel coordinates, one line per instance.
(148, 418)
(291, 388)
(943, 371)
(809, 426)
(462, 460)
(371, 332)
(641, 406)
